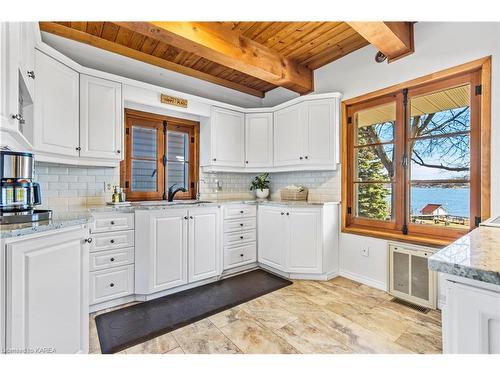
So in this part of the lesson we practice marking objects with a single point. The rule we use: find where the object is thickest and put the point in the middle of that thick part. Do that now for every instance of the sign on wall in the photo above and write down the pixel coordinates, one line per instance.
(172, 100)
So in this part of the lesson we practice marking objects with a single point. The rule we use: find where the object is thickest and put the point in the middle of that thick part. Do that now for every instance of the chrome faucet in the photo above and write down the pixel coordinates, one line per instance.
(172, 192)
(198, 194)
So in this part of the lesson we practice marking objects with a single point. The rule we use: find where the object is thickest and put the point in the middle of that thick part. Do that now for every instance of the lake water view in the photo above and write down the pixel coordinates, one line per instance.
(455, 201)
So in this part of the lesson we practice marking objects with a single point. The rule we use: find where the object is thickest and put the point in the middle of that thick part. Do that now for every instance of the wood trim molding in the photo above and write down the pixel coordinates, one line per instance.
(79, 36)
(231, 49)
(486, 139)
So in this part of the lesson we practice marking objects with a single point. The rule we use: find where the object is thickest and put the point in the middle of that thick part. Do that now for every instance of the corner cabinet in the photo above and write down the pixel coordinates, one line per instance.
(47, 306)
(227, 135)
(56, 116)
(101, 120)
(305, 135)
(259, 140)
(299, 241)
(167, 239)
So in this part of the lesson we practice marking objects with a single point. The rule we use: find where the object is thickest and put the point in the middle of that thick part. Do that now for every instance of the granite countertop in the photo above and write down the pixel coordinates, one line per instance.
(475, 256)
(58, 221)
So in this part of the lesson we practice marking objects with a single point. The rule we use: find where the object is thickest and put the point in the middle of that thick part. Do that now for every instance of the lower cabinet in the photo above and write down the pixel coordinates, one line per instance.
(164, 238)
(47, 293)
(471, 317)
(299, 241)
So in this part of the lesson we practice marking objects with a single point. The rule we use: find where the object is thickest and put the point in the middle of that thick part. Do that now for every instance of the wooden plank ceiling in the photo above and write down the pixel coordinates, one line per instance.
(299, 46)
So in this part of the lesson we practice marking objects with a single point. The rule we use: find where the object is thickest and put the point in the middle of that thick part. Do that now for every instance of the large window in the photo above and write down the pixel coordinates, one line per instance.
(160, 152)
(414, 160)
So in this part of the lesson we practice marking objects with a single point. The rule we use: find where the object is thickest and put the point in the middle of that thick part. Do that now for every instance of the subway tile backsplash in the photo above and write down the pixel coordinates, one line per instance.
(73, 188)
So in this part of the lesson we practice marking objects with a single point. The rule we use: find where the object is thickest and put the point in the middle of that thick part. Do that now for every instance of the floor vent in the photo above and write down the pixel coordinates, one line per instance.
(411, 305)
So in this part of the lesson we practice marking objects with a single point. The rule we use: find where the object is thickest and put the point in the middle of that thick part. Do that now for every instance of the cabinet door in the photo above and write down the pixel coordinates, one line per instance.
(56, 108)
(161, 250)
(259, 140)
(319, 132)
(9, 76)
(228, 138)
(273, 238)
(204, 243)
(471, 320)
(47, 285)
(27, 56)
(288, 142)
(304, 253)
(100, 118)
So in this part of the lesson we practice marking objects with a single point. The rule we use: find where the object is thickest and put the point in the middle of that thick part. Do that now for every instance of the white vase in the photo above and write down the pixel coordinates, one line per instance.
(262, 193)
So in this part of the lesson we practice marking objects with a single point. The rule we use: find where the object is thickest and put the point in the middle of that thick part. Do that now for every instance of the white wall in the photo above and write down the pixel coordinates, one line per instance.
(437, 46)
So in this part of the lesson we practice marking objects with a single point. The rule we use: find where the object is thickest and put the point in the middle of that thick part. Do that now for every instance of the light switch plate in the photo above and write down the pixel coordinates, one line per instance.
(365, 252)
(108, 187)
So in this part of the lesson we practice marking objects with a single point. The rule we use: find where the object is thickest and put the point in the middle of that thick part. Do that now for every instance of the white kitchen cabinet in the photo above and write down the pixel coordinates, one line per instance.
(300, 241)
(101, 121)
(288, 136)
(204, 243)
(319, 118)
(47, 292)
(259, 140)
(10, 35)
(56, 125)
(227, 134)
(471, 317)
(161, 249)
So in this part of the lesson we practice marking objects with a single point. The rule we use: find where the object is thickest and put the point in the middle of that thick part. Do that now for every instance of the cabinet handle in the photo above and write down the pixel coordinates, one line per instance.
(246, 162)
(242, 212)
(112, 222)
(282, 213)
(112, 259)
(241, 224)
(112, 285)
(118, 151)
(241, 237)
(185, 218)
(31, 74)
(241, 255)
(214, 159)
(288, 214)
(191, 217)
(301, 158)
(307, 157)
(88, 240)
(112, 241)
(17, 116)
(78, 148)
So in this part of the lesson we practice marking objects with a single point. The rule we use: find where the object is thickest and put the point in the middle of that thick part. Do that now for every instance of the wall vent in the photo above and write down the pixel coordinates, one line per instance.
(411, 305)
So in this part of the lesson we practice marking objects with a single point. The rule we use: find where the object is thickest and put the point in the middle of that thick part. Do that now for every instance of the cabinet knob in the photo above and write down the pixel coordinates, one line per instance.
(88, 240)
(112, 241)
(118, 151)
(191, 217)
(307, 157)
(31, 74)
(112, 285)
(241, 237)
(241, 255)
(214, 159)
(282, 213)
(17, 116)
(241, 224)
(112, 222)
(112, 259)
(185, 218)
(246, 161)
(301, 158)
(288, 214)
(242, 212)
(78, 148)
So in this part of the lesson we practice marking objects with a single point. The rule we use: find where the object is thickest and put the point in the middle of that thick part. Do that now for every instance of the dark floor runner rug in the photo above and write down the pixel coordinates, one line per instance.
(132, 325)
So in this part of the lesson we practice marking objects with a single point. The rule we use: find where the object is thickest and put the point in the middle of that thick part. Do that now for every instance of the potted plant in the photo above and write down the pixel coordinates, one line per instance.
(261, 185)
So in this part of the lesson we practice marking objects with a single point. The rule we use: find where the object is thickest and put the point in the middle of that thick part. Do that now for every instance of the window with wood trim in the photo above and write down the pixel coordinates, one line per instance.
(160, 152)
(415, 159)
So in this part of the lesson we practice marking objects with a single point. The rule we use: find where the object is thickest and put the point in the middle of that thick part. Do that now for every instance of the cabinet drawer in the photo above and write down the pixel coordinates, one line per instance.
(237, 225)
(239, 211)
(234, 239)
(111, 222)
(109, 284)
(111, 258)
(237, 256)
(112, 240)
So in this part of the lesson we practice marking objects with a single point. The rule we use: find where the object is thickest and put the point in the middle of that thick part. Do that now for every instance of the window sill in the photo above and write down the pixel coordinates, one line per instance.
(398, 236)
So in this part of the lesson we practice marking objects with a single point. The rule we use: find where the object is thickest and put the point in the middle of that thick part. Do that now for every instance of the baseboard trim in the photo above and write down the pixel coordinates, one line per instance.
(363, 280)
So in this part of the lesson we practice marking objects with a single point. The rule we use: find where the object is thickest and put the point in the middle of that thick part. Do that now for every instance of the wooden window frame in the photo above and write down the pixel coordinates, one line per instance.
(173, 124)
(478, 71)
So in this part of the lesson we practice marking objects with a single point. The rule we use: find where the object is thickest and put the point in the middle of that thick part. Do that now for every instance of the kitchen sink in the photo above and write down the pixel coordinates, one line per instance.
(166, 203)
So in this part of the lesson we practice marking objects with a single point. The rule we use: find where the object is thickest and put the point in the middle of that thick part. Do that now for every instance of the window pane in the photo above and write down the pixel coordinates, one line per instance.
(144, 175)
(374, 201)
(442, 112)
(376, 124)
(144, 142)
(440, 204)
(178, 173)
(375, 163)
(441, 158)
(177, 146)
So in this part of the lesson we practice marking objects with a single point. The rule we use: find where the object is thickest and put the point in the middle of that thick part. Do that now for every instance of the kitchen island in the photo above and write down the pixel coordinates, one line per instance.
(471, 313)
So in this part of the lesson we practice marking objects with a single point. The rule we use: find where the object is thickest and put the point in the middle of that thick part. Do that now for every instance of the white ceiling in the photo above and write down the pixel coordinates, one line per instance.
(109, 62)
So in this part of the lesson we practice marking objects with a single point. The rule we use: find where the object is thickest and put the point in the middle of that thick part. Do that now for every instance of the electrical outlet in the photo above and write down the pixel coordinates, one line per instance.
(365, 252)
(108, 187)
(218, 184)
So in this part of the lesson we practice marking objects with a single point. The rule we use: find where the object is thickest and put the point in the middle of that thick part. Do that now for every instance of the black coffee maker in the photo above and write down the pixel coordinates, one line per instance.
(19, 193)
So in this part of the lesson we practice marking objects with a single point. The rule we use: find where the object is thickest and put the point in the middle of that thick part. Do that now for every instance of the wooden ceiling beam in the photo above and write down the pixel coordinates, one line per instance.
(220, 44)
(393, 39)
(83, 37)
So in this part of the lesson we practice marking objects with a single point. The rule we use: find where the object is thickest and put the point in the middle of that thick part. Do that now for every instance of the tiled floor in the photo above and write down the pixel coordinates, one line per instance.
(336, 316)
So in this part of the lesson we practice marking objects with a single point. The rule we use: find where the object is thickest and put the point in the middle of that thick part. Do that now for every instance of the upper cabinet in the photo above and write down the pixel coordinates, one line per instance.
(259, 140)
(100, 118)
(56, 127)
(305, 135)
(227, 139)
